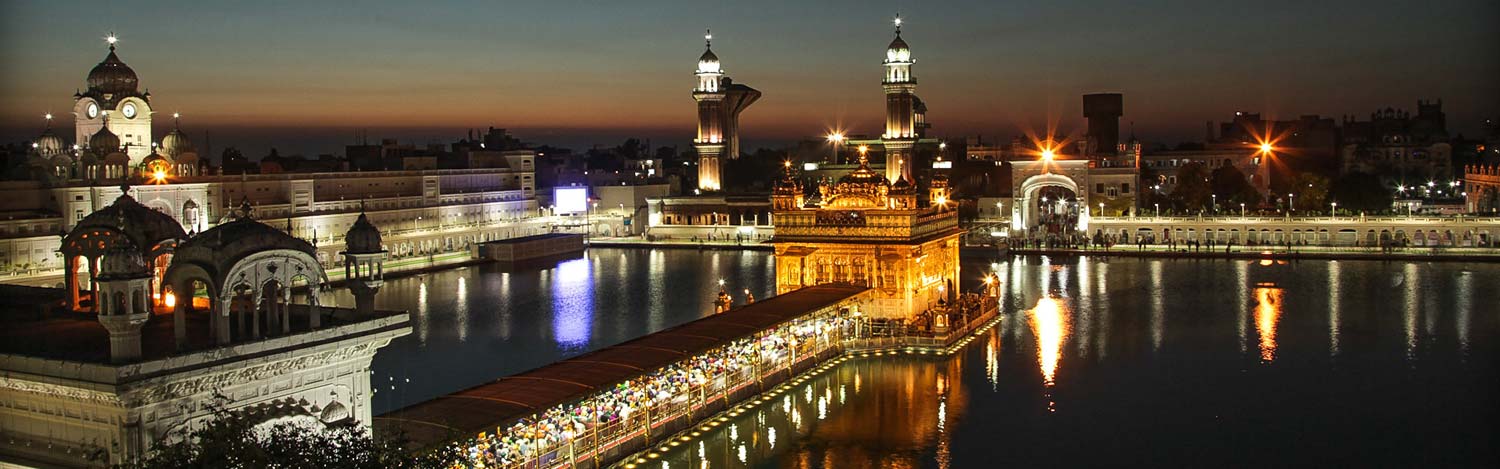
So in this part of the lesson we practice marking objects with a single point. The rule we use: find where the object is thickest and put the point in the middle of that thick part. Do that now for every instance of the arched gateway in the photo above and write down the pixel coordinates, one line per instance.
(1051, 195)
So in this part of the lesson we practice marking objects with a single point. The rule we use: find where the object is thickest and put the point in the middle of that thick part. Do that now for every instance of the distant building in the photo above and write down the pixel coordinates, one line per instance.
(1400, 147)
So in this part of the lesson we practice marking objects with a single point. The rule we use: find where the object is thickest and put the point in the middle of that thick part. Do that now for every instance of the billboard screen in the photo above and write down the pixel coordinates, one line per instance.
(570, 199)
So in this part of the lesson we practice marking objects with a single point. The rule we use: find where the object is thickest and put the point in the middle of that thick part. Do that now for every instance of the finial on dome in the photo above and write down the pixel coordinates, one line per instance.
(111, 39)
(898, 24)
(708, 38)
(48, 117)
(176, 124)
(124, 186)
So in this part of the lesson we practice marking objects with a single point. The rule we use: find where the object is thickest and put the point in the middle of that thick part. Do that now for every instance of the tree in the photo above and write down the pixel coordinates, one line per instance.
(1230, 184)
(1311, 191)
(1192, 191)
(1361, 191)
(232, 440)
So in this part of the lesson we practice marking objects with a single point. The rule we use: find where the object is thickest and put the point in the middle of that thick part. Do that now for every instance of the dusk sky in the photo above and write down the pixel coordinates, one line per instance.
(301, 76)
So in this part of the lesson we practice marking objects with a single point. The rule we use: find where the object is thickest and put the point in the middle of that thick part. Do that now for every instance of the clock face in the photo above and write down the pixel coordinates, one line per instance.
(128, 110)
(93, 110)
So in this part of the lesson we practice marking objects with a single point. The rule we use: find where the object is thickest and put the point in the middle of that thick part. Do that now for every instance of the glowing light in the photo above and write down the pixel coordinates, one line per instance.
(170, 300)
(836, 137)
(111, 39)
(48, 116)
(1047, 154)
(863, 149)
(1265, 147)
(1050, 327)
(1267, 315)
(159, 176)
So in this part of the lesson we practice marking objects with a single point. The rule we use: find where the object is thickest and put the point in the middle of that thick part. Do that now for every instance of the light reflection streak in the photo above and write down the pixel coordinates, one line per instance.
(1085, 309)
(572, 303)
(1102, 345)
(505, 309)
(1158, 308)
(422, 312)
(1333, 308)
(1463, 310)
(1267, 315)
(1409, 316)
(1242, 279)
(461, 309)
(1049, 326)
(992, 360)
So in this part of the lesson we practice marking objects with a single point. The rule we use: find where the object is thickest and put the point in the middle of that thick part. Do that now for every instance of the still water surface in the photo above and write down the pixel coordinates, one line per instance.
(1095, 362)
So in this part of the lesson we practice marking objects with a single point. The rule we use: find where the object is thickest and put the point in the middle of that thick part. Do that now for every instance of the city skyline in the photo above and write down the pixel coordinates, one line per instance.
(433, 74)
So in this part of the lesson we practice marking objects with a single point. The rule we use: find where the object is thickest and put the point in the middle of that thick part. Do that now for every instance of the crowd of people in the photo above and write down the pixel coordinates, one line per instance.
(530, 438)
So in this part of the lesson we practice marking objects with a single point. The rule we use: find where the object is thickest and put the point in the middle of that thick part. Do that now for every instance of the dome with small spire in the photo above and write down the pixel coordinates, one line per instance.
(123, 261)
(104, 142)
(49, 144)
(709, 62)
(112, 76)
(363, 237)
(176, 143)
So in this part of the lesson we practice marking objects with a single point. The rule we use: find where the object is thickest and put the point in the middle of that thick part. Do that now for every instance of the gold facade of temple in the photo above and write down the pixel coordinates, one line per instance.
(865, 231)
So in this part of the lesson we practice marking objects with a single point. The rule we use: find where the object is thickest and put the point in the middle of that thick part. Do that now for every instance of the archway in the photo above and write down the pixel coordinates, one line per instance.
(1050, 205)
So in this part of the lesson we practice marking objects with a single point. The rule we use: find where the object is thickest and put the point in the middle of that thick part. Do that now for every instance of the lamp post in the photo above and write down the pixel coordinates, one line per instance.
(1158, 210)
(1216, 204)
(1333, 212)
(1101, 209)
(1242, 210)
(1291, 204)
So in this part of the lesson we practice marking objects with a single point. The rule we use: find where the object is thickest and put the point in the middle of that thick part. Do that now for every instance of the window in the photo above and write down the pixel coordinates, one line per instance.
(1099, 188)
(1125, 187)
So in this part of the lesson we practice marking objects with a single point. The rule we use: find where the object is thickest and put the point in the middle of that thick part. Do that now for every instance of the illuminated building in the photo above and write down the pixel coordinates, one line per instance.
(113, 100)
(436, 212)
(105, 387)
(720, 102)
(862, 231)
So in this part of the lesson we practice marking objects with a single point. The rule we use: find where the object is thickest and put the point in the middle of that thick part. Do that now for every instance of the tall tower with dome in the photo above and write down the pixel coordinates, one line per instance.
(720, 102)
(903, 110)
(114, 99)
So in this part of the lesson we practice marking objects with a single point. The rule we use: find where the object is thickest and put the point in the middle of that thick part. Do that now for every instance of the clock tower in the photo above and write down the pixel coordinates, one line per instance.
(113, 90)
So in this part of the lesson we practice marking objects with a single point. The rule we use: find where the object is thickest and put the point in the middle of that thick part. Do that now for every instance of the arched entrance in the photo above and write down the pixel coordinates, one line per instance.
(1050, 204)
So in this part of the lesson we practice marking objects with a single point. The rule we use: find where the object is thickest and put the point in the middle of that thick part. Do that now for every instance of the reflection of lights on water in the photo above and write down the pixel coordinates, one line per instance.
(734, 432)
(422, 312)
(942, 415)
(771, 436)
(572, 303)
(786, 403)
(822, 408)
(807, 394)
(742, 454)
(1267, 314)
(461, 306)
(1049, 326)
(992, 361)
(1333, 308)
(842, 394)
(856, 383)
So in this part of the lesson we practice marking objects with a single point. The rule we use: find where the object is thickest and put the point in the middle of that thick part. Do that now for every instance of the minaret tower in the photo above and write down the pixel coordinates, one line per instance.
(900, 109)
(124, 301)
(114, 100)
(710, 96)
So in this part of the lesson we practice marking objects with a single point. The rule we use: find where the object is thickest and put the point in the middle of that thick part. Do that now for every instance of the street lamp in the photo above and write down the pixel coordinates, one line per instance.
(1216, 204)
(1291, 203)
(1242, 210)
(1158, 210)
(1334, 212)
(1101, 209)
